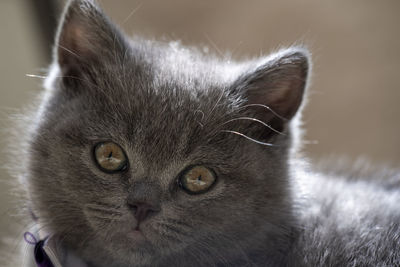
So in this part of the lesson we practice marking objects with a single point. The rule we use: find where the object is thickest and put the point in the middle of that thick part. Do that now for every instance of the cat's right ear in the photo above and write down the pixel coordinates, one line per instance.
(275, 86)
(86, 39)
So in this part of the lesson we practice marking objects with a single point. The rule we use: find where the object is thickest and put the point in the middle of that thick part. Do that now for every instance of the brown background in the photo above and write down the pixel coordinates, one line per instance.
(355, 92)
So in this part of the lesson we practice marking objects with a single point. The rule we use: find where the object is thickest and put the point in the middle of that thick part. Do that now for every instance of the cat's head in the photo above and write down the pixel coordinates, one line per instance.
(149, 151)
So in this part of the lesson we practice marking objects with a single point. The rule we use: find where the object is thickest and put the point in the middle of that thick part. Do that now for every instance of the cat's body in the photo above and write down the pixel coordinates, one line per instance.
(124, 125)
(349, 216)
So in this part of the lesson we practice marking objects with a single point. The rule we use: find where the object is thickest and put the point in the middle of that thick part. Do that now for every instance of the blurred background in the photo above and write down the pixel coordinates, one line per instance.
(354, 107)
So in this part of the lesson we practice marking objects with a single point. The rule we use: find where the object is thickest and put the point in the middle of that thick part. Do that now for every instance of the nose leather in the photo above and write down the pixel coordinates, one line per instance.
(144, 200)
(142, 210)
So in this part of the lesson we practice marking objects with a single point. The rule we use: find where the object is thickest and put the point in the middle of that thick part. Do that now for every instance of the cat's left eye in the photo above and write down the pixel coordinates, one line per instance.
(110, 157)
(197, 179)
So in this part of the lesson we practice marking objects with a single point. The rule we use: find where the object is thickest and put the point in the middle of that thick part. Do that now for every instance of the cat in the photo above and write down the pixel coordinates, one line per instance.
(146, 153)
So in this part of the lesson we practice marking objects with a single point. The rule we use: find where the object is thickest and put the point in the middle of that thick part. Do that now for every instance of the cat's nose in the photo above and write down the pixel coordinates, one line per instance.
(142, 210)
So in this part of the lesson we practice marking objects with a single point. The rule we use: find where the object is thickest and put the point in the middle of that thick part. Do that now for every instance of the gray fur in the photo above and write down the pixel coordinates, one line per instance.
(170, 107)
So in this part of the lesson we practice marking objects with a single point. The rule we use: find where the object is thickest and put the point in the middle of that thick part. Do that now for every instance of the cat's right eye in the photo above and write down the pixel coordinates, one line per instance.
(110, 157)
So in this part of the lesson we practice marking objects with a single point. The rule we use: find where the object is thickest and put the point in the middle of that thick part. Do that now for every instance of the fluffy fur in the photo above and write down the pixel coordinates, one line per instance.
(170, 107)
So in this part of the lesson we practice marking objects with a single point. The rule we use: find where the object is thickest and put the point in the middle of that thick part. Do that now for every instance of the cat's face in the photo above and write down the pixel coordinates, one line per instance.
(140, 157)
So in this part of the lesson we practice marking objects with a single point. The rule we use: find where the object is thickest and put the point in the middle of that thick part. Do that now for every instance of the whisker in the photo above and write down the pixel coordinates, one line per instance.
(132, 12)
(69, 51)
(103, 211)
(310, 142)
(103, 218)
(178, 222)
(201, 112)
(103, 205)
(216, 104)
(256, 120)
(35, 76)
(202, 117)
(173, 229)
(213, 44)
(234, 50)
(265, 106)
(249, 138)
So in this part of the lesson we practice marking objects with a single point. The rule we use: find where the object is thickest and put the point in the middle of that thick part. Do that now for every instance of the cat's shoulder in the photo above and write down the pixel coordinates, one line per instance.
(359, 170)
(349, 214)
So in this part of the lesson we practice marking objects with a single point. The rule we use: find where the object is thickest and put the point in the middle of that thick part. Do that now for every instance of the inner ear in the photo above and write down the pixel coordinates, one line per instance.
(86, 39)
(73, 48)
(274, 89)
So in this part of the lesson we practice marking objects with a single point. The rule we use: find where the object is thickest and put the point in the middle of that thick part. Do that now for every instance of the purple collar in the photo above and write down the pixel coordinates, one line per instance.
(41, 257)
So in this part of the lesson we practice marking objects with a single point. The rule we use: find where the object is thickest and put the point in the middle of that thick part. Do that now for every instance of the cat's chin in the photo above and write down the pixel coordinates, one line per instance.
(133, 240)
(137, 237)
(130, 248)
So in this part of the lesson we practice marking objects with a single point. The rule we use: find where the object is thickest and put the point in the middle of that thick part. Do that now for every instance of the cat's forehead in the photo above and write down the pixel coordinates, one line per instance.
(185, 67)
(166, 82)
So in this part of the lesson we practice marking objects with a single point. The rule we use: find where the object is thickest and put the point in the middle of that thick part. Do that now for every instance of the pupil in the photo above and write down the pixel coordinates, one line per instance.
(109, 155)
(199, 178)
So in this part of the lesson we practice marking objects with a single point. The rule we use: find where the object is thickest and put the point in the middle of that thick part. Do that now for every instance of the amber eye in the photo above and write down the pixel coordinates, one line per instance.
(110, 157)
(197, 179)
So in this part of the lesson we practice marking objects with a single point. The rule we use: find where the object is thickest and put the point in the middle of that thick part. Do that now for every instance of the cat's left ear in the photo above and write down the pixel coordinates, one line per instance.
(86, 39)
(274, 88)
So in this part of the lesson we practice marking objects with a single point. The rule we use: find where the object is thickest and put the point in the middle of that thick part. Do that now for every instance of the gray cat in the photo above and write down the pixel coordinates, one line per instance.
(152, 154)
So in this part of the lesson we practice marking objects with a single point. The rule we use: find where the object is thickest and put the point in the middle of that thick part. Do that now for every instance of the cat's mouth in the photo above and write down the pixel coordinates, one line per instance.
(137, 235)
(137, 228)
